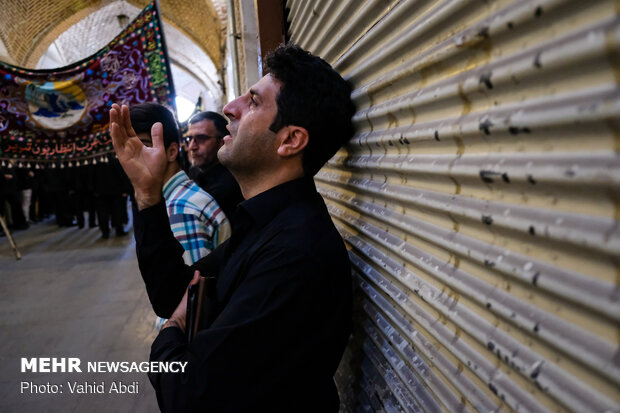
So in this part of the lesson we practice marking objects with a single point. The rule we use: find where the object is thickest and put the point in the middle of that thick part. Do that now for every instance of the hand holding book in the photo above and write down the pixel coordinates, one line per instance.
(200, 306)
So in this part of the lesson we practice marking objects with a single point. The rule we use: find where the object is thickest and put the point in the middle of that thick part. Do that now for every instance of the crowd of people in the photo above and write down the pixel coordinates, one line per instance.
(98, 189)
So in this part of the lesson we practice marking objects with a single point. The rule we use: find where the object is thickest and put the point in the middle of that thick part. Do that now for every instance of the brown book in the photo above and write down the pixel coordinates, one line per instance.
(200, 306)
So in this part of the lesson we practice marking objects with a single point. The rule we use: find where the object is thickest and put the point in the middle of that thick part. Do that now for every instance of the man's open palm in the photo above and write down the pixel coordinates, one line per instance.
(144, 166)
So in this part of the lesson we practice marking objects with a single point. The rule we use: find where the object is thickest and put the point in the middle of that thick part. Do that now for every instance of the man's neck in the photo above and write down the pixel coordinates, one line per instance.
(256, 184)
(171, 170)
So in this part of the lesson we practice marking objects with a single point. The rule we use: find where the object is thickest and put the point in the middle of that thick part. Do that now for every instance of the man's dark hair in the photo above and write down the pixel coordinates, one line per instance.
(219, 122)
(144, 115)
(313, 96)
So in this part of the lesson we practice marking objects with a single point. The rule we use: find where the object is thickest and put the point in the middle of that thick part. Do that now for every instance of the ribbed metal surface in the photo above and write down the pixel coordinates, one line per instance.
(480, 198)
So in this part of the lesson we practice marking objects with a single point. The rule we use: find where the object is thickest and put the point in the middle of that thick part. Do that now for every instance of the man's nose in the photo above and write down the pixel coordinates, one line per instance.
(231, 110)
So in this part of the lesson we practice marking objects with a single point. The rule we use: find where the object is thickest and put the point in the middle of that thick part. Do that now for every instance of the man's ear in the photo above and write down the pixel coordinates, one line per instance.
(293, 140)
(172, 152)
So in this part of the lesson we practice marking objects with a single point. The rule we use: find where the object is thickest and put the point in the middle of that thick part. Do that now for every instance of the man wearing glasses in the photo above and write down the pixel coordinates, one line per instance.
(204, 139)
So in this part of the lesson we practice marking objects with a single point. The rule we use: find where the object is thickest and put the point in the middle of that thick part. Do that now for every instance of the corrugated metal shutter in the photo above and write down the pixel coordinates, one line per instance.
(480, 198)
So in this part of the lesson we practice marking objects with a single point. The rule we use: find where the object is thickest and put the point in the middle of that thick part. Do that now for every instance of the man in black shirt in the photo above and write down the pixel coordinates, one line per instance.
(282, 299)
(204, 138)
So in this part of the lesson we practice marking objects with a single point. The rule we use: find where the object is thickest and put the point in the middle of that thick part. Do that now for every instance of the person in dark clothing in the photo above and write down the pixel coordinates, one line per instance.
(282, 298)
(25, 182)
(11, 194)
(57, 187)
(82, 197)
(41, 205)
(88, 199)
(110, 187)
(35, 208)
(204, 138)
(72, 178)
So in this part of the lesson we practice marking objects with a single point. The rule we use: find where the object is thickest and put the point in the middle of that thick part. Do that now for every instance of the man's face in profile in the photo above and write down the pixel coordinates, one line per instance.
(251, 145)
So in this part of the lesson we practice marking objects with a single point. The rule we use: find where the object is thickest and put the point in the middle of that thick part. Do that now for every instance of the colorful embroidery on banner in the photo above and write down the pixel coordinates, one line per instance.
(62, 114)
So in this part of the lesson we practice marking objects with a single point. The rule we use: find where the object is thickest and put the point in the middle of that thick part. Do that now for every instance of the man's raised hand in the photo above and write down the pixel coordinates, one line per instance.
(145, 167)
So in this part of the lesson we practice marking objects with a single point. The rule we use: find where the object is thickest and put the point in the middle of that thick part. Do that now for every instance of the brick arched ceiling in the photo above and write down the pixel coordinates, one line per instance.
(27, 28)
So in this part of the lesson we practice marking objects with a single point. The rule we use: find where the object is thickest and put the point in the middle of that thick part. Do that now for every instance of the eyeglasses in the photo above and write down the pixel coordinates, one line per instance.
(199, 138)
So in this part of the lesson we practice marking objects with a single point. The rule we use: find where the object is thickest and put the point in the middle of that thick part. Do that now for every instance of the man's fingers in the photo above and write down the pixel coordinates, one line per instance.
(157, 134)
(126, 121)
(116, 140)
(117, 133)
(114, 113)
(196, 278)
